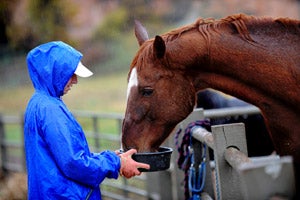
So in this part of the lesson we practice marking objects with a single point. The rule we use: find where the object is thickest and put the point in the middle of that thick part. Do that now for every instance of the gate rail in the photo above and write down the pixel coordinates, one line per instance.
(232, 174)
(12, 154)
(149, 183)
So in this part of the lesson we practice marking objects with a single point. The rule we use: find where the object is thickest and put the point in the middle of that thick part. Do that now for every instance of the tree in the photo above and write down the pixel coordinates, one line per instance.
(44, 20)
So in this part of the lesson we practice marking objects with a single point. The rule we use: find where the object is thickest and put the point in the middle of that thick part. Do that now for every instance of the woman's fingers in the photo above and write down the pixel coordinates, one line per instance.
(129, 166)
(130, 152)
(143, 165)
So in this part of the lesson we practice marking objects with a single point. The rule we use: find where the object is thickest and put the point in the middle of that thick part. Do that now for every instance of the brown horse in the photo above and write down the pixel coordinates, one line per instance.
(254, 59)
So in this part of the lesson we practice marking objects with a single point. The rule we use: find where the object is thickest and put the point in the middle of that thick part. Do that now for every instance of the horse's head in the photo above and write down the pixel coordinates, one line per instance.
(159, 96)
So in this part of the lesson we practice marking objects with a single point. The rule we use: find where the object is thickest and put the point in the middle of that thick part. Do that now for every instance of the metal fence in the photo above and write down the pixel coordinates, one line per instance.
(103, 131)
(231, 174)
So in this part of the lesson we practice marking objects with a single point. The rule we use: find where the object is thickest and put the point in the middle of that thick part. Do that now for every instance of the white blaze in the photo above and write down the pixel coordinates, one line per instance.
(133, 81)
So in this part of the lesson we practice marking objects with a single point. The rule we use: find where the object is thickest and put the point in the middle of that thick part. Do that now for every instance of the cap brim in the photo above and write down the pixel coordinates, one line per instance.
(82, 71)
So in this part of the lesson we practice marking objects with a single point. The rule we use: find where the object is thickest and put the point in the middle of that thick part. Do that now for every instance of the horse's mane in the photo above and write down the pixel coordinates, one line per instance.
(237, 22)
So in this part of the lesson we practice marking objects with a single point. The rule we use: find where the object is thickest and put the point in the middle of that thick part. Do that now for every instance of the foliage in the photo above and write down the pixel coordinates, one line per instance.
(46, 20)
(121, 20)
(5, 17)
(113, 25)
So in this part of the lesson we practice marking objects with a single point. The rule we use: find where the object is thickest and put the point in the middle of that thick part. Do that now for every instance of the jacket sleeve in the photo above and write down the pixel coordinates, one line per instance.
(67, 144)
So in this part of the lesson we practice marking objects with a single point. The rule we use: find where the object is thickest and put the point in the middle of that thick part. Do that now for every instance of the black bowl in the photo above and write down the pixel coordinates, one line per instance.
(158, 161)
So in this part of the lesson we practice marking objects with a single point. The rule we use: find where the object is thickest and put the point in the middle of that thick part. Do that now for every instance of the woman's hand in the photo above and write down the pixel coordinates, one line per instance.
(129, 167)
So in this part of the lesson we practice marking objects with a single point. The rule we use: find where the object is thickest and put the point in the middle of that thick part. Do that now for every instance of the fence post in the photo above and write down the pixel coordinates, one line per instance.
(2, 147)
(228, 180)
(96, 132)
(197, 114)
(120, 122)
(177, 175)
(23, 142)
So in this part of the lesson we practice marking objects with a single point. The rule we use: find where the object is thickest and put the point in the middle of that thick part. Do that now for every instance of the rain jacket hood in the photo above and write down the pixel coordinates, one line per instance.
(51, 65)
(59, 162)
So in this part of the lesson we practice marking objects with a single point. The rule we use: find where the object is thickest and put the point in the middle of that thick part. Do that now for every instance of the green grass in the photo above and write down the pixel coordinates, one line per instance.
(13, 132)
(98, 93)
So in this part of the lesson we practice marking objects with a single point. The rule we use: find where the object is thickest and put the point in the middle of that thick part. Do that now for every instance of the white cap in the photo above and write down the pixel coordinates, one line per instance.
(82, 71)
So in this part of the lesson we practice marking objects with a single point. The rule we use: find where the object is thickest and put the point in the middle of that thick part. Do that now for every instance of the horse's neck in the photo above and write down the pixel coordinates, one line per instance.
(265, 74)
(268, 69)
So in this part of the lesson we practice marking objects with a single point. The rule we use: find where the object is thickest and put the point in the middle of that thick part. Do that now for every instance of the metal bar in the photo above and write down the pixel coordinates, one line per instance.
(2, 146)
(12, 144)
(235, 157)
(99, 115)
(127, 188)
(113, 195)
(11, 119)
(23, 142)
(232, 111)
(16, 167)
(204, 136)
(103, 136)
(96, 132)
(209, 113)
(120, 123)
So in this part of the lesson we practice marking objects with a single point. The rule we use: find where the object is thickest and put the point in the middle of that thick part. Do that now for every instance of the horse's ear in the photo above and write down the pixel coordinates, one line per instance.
(159, 47)
(140, 32)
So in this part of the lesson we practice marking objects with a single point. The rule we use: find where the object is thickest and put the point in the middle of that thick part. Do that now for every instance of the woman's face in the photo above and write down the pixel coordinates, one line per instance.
(73, 80)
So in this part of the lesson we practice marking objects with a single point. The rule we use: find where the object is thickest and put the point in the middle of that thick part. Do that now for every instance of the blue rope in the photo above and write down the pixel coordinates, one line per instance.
(186, 159)
(196, 183)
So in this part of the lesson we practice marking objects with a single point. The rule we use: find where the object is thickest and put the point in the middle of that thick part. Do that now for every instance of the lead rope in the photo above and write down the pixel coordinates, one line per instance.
(185, 152)
(196, 183)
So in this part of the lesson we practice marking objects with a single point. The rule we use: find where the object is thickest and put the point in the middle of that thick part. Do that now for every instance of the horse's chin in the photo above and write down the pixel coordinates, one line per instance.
(146, 148)
(151, 145)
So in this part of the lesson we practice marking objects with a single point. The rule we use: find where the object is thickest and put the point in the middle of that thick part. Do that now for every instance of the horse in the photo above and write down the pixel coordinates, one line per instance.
(258, 140)
(255, 59)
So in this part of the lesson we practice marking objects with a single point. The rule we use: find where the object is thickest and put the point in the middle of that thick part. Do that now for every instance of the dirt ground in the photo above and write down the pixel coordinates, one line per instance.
(13, 187)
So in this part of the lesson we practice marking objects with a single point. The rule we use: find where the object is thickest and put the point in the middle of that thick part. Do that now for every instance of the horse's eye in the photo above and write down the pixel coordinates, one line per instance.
(146, 92)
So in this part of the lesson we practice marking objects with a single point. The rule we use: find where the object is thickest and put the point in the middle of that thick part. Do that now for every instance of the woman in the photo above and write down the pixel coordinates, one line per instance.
(59, 162)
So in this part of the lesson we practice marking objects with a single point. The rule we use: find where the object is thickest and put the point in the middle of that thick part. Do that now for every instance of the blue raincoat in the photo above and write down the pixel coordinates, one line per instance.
(59, 163)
